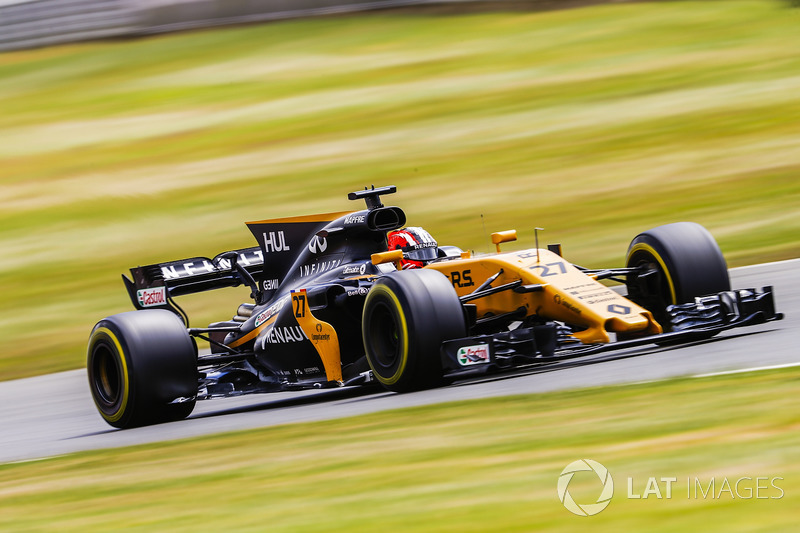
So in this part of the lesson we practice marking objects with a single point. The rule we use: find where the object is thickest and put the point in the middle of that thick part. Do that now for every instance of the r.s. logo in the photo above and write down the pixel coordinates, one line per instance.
(462, 279)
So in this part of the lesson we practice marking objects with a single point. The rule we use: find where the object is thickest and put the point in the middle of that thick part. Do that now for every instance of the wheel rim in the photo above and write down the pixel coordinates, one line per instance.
(655, 295)
(384, 337)
(659, 292)
(106, 375)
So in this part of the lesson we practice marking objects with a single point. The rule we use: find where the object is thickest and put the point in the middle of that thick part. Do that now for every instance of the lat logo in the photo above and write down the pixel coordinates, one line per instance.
(317, 244)
(606, 481)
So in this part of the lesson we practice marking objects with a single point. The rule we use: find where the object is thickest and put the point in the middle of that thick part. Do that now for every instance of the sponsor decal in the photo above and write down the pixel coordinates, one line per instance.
(560, 301)
(271, 284)
(473, 355)
(612, 298)
(254, 257)
(361, 291)
(355, 269)
(582, 287)
(420, 246)
(318, 244)
(200, 266)
(152, 297)
(275, 241)
(187, 269)
(319, 336)
(285, 335)
(354, 219)
(594, 293)
(318, 268)
(271, 311)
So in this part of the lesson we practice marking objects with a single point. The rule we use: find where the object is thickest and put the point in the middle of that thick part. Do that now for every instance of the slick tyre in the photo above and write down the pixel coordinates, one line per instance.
(685, 262)
(139, 363)
(407, 316)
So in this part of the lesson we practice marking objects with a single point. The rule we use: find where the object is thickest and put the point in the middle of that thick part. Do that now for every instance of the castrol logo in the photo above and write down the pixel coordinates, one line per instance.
(152, 297)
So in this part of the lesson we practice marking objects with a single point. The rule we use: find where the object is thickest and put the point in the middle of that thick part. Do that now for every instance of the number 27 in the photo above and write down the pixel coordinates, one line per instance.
(549, 269)
(299, 305)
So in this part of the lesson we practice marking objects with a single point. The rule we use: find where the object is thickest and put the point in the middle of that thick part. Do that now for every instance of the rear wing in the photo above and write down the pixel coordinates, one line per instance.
(155, 286)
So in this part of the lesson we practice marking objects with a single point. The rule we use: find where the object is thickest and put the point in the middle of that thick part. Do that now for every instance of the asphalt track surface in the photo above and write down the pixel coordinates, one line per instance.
(54, 414)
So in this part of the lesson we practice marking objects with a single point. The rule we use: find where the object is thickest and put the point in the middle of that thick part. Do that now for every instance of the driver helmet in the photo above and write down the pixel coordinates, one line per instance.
(419, 248)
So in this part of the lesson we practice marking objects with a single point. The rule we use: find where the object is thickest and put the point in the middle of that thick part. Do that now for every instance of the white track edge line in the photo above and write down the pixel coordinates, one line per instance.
(744, 370)
(774, 263)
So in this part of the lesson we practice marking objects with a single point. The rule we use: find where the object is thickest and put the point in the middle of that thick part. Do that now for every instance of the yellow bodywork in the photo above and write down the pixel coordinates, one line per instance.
(321, 334)
(567, 294)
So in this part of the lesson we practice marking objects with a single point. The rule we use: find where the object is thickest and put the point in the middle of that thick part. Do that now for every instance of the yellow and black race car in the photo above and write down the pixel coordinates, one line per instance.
(333, 306)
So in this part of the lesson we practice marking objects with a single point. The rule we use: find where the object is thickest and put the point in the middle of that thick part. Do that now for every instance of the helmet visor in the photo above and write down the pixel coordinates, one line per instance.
(423, 254)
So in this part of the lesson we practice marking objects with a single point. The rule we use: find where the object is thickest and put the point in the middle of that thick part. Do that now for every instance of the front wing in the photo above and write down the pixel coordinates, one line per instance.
(552, 341)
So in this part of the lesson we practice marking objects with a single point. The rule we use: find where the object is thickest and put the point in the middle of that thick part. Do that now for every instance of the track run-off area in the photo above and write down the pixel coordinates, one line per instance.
(54, 414)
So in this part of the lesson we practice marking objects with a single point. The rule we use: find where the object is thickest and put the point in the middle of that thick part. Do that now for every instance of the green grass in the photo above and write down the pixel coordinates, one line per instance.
(594, 123)
(481, 465)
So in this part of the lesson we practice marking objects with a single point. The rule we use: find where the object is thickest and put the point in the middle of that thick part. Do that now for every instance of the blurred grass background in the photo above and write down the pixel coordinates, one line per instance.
(482, 465)
(595, 123)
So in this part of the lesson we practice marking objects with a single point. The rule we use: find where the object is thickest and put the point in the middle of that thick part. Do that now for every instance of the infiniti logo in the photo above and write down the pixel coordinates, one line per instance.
(317, 244)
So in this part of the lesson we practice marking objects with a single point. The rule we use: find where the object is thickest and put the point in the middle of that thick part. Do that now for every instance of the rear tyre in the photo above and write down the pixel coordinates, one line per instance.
(407, 316)
(139, 363)
(685, 262)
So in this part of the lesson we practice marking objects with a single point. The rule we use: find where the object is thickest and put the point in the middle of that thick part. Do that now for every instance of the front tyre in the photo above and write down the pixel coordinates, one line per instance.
(142, 368)
(683, 261)
(407, 316)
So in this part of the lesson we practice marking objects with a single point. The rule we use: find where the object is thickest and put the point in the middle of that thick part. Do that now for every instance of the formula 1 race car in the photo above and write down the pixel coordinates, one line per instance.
(331, 307)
